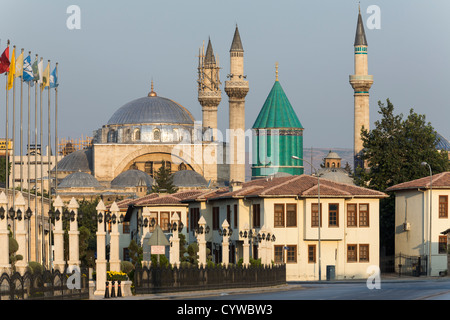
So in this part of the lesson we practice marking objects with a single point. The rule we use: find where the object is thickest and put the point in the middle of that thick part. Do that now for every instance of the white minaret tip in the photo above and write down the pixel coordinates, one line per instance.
(101, 206)
(3, 199)
(20, 201)
(114, 207)
(58, 202)
(73, 204)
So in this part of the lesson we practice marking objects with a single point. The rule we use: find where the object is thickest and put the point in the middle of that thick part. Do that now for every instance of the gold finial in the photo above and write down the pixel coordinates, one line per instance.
(152, 93)
(276, 71)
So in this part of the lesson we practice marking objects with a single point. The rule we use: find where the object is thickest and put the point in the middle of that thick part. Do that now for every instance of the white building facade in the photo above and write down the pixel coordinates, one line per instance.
(421, 215)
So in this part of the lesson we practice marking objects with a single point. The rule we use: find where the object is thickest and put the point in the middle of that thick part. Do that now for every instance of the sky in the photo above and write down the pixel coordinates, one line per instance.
(122, 45)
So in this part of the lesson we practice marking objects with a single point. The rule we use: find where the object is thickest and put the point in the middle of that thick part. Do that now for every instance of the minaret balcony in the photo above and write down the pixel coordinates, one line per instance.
(209, 94)
(354, 78)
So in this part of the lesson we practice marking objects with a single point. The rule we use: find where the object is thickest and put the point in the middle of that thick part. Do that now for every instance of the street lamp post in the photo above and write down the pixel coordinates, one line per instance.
(319, 212)
(431, 216)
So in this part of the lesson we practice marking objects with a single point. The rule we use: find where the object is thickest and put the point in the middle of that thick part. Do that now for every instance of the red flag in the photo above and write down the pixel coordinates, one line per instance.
(4, 61)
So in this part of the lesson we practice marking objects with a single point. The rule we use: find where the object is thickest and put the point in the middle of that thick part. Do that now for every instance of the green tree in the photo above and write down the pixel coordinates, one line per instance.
(393, 151)
(135, 252)
(164, 181)
(2, 169)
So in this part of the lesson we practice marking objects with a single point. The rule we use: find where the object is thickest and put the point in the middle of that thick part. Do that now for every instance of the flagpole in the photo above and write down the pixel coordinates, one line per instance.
(49, 142)
(50, 258)
(42, 176)
(28, 164)
(7, 141)
(21, 127)
(13, 162)
(35, 168)
(56, 134)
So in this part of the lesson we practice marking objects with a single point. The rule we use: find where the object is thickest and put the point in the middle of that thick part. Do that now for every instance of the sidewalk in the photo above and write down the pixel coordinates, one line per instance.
(294, 285)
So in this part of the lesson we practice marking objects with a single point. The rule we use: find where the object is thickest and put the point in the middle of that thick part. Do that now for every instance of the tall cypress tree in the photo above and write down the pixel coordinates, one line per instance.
(164, 181)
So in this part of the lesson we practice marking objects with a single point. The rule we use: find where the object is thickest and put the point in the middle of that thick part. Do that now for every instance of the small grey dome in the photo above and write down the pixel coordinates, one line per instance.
(80, 160)
(442, 143)
(152, 110)
(336, 175)
(332, 155)
(132, 178)
(79, 180)
(188, 178)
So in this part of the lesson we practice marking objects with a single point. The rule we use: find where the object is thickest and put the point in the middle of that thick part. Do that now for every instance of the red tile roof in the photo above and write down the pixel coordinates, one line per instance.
(439, 181)
(303, 186)
(294, 186)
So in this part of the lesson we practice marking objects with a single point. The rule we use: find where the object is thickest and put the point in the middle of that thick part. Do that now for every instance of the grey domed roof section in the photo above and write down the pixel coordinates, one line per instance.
(152, 110)
(332, 155)
(188, 178)
(360, 38)
(79, 180)
(336, 175)
(132, 178)
(442, 143)
(80, 160)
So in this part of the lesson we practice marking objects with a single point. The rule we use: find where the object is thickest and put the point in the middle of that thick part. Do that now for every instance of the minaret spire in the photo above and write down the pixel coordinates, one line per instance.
(236, 88)
(209, 94)
(361, 83)
(360, 38)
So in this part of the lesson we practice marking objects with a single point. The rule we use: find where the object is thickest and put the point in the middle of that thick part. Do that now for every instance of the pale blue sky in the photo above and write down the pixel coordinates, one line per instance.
(122, 45)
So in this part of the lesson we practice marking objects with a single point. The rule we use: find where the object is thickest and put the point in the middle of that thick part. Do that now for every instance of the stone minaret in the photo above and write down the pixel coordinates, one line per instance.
(237, 88)
(361, 82)
(209, 94)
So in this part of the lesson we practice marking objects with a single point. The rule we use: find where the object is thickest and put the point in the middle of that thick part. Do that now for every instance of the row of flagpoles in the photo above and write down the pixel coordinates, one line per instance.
(20, 69)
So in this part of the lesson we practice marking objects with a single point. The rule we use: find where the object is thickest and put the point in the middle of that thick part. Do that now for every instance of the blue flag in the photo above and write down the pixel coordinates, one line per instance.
(27, 70)
(54, 79)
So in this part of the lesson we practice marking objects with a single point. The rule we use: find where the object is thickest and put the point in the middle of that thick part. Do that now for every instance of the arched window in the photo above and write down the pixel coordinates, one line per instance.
(182, 166)
(175, 135)
(148, 168)
(137, 135)
(157, 135)
(112, 137)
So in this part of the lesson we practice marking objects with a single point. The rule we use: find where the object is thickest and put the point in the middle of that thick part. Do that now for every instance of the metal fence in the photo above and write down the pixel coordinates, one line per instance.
(411, 265)
(167, 279)
(48, 285)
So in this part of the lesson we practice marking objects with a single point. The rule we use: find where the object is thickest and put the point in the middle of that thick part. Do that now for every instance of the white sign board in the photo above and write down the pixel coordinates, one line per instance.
(158, 250)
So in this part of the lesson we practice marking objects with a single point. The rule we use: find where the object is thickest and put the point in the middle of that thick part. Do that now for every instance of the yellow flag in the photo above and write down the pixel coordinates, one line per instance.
(46, 77)
(19, 66)
(12, 70)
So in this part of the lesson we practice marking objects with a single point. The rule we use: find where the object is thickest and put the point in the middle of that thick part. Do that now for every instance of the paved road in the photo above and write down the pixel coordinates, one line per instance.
(432, 289)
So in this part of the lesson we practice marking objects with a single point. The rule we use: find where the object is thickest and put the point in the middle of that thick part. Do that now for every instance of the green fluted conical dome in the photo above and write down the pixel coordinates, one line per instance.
(277, 111)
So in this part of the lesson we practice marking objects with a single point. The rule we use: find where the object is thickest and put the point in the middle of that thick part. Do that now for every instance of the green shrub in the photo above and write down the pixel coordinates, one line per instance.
(35, 268)
(163, 261)
(126, 266)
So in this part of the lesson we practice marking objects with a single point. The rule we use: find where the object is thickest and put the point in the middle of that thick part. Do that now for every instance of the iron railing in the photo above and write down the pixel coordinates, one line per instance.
(48, 285)
(173, 279)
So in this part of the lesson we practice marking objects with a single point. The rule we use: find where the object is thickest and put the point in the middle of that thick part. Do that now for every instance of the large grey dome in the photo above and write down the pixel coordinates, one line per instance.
(79, 180)
(132, 178)
(188, 178)
(152, 110)
(80, 160)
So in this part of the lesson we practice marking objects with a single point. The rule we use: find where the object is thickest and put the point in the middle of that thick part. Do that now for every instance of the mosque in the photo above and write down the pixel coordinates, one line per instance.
(154, 131)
